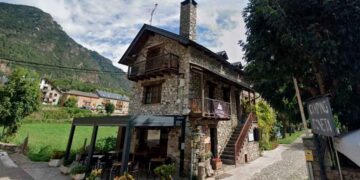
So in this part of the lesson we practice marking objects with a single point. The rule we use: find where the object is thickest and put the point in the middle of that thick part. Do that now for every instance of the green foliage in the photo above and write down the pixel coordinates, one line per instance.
(67, 162)
(31, 35)
(291, 139)
(79, 169)
(109, 108)
(18, 98)
(165, 171)
(266, 119)
(106, 144)
(71, 102)
(44, 138)
(56, 154)
(313, 41)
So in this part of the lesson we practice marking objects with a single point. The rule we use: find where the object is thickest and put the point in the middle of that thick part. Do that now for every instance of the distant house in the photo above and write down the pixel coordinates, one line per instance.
(50, 93)
(84, 99)
(121, 102)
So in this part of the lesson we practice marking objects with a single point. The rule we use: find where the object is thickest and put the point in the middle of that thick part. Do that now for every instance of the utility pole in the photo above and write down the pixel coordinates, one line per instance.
(301, 107)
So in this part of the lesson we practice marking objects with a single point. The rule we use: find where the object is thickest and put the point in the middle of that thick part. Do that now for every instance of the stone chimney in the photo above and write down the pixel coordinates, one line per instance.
(188, 19)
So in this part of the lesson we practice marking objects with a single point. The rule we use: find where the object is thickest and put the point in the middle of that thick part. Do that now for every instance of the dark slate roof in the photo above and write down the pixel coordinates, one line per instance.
(223, 54)
(188, 1)
(185, 41)
(110, 95)
(80, 93)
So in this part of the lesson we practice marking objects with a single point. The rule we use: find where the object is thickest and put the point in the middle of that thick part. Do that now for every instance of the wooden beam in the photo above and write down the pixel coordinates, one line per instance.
(126, 149)
(71, 137)
(92, 147)
(202, 94)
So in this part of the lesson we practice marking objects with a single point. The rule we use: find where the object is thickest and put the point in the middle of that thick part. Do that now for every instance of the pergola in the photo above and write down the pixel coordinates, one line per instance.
(129, 122)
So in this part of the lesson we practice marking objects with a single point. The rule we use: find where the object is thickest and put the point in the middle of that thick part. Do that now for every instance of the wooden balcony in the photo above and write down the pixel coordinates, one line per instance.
(213, 109)
(153, 67)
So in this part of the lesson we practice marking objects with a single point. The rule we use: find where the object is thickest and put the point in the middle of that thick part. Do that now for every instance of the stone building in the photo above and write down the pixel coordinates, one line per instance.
(50, 93)
(176, 76)
(120, 102)
(84, 99)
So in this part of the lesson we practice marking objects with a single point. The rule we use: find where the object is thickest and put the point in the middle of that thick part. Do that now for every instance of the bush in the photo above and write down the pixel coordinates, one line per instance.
(71, 102)
(106, 144)
(79, 169)
(165, 171)
(109, 108)
(43, 155)
(57, 154)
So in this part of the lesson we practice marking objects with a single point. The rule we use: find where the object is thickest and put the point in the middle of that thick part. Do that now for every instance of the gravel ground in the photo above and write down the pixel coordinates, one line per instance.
(292, 166)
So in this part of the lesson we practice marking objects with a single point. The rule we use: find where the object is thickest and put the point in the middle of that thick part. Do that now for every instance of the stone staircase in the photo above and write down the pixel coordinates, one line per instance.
(233, 148)
(228, 155)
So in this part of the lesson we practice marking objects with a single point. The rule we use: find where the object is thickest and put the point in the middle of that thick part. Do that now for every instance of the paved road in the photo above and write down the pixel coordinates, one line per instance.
(9, 170)
(283, 163)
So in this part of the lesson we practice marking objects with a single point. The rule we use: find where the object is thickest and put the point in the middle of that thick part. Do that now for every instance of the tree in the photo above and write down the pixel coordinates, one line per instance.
(266, 119)
(19, 97)
(109, 108)
(314, 41)
(70, 102)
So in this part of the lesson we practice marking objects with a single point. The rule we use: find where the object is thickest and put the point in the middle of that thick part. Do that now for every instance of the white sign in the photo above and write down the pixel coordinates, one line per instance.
(251, 136)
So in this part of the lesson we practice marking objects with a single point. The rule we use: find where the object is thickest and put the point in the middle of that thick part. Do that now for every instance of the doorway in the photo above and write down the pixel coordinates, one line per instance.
(213, 141)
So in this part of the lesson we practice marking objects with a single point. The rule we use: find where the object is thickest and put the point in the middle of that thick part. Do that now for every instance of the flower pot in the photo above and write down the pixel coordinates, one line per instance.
(78, 176)
(64, 170)
(55, 162)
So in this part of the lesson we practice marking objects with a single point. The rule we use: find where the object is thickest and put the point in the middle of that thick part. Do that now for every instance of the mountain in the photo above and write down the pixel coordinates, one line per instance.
(30, 37)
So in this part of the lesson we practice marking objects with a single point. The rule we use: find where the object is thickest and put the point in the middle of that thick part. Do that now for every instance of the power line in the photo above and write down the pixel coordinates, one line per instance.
(60, 67)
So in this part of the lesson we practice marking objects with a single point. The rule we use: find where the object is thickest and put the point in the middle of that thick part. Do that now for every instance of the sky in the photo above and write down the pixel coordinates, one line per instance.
(109, 26)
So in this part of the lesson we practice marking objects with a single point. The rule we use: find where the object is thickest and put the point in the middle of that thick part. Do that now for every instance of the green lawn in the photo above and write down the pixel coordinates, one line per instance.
(290, 139)
(55, 136)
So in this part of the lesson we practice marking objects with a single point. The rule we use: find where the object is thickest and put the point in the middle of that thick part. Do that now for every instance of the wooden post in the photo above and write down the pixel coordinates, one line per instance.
(92, 147)
(71, 137)
(301, 107)
(202, 95)
(126, 149)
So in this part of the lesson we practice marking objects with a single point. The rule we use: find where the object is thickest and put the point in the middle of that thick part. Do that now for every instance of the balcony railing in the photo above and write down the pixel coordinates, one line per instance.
(215, 109)
(157, 65)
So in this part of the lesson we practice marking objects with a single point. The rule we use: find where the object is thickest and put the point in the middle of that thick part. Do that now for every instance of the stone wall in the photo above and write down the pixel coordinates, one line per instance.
(174, 88)
(331, 173)
(250, 150)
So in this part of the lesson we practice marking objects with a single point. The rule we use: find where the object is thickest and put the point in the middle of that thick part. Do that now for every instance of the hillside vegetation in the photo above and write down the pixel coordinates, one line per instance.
(31, 35)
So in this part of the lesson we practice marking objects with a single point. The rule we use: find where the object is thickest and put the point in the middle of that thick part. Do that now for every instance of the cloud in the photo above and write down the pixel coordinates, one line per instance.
(109, 26)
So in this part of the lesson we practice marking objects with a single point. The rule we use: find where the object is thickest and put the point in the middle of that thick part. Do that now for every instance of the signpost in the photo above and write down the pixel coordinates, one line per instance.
(322, 121)
(320, 114)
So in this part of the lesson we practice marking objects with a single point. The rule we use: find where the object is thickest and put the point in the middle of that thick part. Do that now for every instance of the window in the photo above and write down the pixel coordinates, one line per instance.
(152, 94)
(154, 51)
(55, 94)
(54, 100)
(226, 94)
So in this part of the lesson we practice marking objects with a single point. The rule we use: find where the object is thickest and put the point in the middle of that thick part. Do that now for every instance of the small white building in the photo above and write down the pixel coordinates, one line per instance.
(50, 94)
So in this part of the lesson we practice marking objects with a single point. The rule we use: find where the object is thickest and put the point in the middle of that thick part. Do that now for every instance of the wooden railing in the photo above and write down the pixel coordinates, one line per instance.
(213, 108)
(155, 64)
(243, 134)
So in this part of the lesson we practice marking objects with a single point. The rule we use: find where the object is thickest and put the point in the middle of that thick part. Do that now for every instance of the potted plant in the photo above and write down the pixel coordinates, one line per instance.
(95, 174)
(65, 166)
(205, 156)
(56, 156)
(78, 172)
(126, 176)
(216, 163)
(165, 171)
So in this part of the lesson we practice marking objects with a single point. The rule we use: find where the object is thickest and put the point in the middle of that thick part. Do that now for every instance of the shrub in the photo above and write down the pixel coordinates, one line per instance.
(67, 162)
(106, 144)
(165, 171)
(44, 154)
(57, 154)
(109, 108)
(79, 169)
(71, 102)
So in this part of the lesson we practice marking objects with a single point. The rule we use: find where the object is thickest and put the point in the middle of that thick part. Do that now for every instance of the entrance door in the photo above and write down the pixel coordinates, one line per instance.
(213, 141)
(238, 106)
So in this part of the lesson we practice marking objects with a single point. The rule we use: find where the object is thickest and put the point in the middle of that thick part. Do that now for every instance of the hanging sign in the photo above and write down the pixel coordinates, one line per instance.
(321, 117)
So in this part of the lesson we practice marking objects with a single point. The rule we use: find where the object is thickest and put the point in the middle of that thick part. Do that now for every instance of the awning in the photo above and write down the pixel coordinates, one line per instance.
(135, 121)
(349, 145)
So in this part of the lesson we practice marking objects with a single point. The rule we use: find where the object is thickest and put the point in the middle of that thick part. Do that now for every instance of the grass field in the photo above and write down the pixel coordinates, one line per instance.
(50, 136)
(290, 139)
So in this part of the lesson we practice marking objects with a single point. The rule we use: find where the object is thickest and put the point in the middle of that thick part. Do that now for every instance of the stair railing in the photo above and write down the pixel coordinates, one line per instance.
(243, 134)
